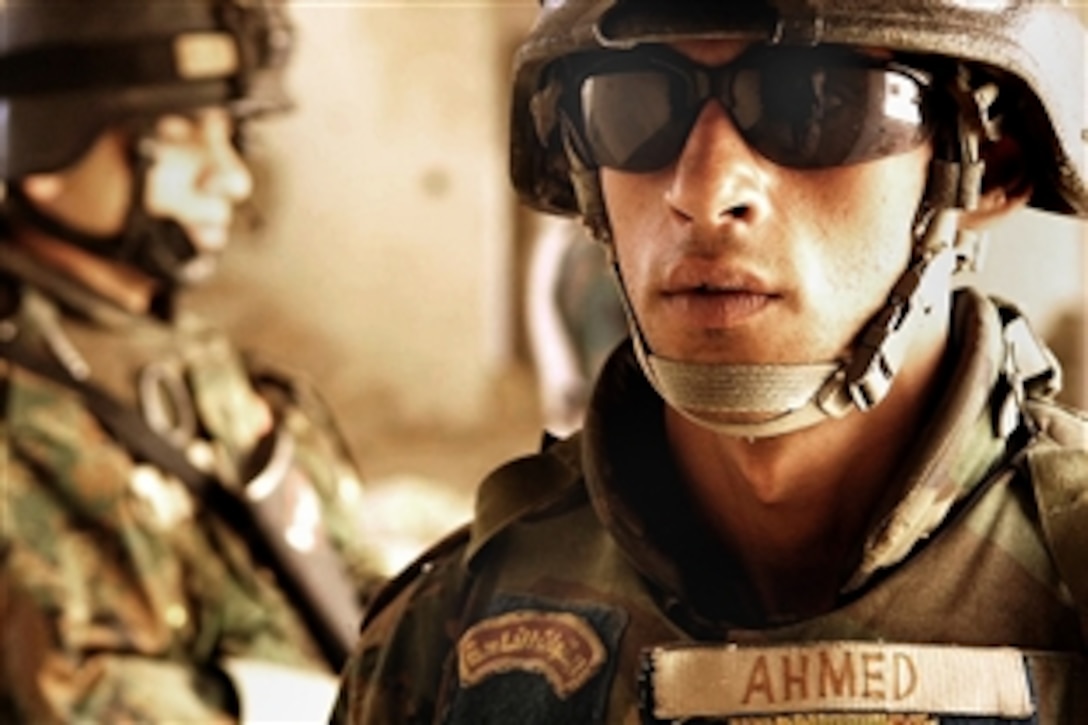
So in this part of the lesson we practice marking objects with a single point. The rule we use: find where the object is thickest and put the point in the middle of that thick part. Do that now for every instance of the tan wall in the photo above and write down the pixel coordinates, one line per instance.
(385, 263)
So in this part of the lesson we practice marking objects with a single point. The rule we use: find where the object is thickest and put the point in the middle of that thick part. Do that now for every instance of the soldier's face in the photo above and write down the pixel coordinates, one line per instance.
(731, 258)
(195, 178)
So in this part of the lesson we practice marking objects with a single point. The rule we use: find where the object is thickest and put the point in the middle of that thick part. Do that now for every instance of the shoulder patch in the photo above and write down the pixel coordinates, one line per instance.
(561, 646)
(531, 659)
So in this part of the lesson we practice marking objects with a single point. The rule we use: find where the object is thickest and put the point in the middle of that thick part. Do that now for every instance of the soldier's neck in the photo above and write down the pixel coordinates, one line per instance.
(796, 509)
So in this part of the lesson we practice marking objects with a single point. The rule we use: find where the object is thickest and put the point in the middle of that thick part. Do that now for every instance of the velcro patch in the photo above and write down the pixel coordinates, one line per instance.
(561, 646)
(835, 677)
(534, 660)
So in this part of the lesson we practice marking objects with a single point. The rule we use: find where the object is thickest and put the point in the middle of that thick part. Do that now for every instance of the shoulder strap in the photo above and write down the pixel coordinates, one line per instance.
(519, 488)
(523, 487)
(389, 591)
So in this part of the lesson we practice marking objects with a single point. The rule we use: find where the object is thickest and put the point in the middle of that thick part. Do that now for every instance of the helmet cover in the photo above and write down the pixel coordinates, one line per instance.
(70, 68)
(1036, 48)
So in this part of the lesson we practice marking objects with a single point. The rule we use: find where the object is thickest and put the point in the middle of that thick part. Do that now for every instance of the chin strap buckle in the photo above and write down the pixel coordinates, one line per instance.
(883, 343)
(1029, 370)
(869, 373)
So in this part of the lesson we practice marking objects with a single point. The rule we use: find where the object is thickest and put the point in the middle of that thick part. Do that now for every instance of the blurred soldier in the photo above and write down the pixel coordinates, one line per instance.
(176, 519)
(820, 485)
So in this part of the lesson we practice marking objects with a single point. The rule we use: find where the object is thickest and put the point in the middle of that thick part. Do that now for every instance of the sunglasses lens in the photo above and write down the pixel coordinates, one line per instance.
(632, 120)
(827, 116)
(796, 109)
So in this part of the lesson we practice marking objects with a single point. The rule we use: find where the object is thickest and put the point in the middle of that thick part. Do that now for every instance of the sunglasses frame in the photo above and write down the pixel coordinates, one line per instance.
(703, 83)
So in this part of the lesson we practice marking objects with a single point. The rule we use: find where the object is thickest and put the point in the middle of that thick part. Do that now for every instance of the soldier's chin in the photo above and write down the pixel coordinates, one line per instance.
(736, 417)
(738, 424)
(197, 270)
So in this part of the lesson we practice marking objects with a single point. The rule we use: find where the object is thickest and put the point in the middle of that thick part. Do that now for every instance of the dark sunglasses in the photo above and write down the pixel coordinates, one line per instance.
(802, 108)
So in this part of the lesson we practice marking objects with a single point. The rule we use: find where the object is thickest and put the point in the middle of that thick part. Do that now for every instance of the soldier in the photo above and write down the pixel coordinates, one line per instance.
(818, 485)
(178, 519)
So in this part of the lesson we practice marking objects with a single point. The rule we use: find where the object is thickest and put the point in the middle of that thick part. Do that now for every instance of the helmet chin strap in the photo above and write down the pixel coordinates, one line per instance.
(760, 401)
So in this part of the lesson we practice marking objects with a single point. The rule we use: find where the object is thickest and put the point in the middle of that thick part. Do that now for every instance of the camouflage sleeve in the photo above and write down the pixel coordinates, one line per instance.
(81, 639)
(404, 656)
(118, 595)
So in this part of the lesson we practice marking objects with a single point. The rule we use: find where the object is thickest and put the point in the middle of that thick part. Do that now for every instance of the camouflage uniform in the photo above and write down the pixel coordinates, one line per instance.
(584, 564)
(121, 594)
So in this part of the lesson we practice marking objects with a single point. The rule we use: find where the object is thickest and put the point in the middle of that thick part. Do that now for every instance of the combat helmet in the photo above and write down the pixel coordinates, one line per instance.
(1036, 45)
(1007, 69)
(70, 68)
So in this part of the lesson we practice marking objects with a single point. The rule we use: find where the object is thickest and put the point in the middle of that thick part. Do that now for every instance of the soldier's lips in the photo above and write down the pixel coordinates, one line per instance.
(718, 308)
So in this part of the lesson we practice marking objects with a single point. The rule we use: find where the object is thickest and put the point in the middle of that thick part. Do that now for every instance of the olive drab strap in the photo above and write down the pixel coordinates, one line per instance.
(791, 397)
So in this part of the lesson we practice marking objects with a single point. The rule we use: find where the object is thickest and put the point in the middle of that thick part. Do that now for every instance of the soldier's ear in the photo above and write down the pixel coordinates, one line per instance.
(994, 205)
(43, 188)
(1006, 166)
(1006, 185)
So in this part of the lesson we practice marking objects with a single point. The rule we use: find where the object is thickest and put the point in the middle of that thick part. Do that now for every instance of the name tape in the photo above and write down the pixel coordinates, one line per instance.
(733, 680)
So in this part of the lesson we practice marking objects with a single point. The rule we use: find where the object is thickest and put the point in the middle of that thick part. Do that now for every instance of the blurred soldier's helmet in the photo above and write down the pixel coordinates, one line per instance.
(69, 69)
(1034, 48)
